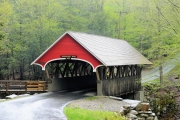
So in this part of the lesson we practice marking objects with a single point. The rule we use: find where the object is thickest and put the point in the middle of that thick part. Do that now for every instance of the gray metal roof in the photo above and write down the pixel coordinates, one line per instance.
(111, 52)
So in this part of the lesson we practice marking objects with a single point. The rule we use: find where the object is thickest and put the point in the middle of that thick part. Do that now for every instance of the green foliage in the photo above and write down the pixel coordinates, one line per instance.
(161, 99)
(83, 114)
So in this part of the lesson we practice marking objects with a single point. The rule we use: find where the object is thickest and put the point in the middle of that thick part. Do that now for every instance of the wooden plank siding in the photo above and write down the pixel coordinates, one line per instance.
(119, 80)
(120, 86)
(17, 86)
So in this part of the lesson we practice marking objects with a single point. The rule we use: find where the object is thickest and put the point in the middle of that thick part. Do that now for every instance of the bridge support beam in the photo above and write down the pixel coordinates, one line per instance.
(99, 84)
(139, 95)
(99, 88)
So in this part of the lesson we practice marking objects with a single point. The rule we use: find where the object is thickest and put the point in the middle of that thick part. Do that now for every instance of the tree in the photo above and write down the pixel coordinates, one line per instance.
(5, 12)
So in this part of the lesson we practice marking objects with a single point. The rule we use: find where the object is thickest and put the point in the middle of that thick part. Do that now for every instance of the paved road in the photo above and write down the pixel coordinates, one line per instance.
(154, 73)
(46, 106)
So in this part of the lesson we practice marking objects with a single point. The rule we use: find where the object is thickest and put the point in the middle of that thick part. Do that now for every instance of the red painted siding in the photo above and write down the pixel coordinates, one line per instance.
(68, 46)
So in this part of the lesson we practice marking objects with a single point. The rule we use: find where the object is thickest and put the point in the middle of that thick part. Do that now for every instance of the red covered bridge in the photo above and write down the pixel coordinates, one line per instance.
(79, 60)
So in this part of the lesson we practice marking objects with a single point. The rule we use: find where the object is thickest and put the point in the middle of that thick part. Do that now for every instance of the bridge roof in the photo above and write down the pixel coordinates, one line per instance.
(107, 51)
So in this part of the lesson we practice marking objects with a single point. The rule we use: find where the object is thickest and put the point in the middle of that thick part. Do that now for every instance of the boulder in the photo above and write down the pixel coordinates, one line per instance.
(153, 114)
(145, 106)
(133, 103)
(141, 118)
(150, 118)
(144, 115)
(134, 112)
(131, 115)
(139, 107)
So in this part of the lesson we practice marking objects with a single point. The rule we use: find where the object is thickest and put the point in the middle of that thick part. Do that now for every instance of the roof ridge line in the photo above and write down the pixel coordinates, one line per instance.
(95, 35)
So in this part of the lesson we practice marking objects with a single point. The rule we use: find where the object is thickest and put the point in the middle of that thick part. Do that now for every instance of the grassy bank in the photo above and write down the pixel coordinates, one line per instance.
(84, 114)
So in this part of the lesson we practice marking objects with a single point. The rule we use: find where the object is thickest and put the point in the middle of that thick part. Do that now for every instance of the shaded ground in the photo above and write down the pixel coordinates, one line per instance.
(176, 92)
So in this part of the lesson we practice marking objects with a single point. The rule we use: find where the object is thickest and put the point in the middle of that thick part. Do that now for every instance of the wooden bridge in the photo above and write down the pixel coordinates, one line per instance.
(79, 60)
(22, 86)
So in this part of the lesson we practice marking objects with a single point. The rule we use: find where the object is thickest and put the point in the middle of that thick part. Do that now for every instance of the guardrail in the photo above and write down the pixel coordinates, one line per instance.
(7, 86)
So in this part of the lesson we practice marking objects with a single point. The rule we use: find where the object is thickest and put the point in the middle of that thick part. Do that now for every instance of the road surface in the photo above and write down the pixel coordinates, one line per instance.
(154, 73)
(46, 106)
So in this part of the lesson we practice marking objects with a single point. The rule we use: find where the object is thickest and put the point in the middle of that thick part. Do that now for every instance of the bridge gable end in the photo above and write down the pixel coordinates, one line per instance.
(66, 47)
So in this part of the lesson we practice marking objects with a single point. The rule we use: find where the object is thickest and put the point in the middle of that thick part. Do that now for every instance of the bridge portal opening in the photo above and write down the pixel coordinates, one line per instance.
(70, 75)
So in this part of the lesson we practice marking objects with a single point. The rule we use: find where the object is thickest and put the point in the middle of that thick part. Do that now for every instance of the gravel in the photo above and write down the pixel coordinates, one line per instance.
(99, 103)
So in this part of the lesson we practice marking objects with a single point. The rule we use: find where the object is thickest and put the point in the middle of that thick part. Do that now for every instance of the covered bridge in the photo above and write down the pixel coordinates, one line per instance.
(79, 60)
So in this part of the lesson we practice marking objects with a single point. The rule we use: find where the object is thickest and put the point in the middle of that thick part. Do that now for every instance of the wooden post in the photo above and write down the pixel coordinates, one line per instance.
(47, 73)
(99, 84)
(97, 75)
(26, 86)
(44, 84)
(7, 87)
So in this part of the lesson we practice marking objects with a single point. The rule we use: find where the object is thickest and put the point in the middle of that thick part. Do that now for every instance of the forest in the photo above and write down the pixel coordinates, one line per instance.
(28, 27)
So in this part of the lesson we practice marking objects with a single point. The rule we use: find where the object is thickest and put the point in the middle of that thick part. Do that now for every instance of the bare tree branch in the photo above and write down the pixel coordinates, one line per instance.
(157, 7)
(173, 4)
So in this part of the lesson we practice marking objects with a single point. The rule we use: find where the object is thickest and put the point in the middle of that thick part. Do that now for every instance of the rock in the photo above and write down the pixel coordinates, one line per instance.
(144, 115)
(156, 118)
(150, 118)
(139, 107)
(141, 118)
(121, 109)
(153, 114)
(131, 115)
(126, 106)
(145, 106)
(134, 112)
(140, 112)
(133, 103)
(148, 112)
(145, 100)
(126, 111)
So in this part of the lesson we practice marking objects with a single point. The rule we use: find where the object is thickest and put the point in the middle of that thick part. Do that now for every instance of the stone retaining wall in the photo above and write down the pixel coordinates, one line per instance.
(141, 112)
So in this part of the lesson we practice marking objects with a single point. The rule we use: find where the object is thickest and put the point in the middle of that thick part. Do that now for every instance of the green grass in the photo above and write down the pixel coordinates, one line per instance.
(92, 98)
(84, 114)
(175, 71)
